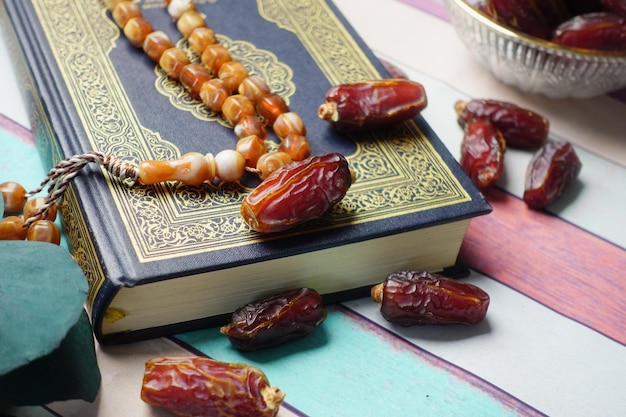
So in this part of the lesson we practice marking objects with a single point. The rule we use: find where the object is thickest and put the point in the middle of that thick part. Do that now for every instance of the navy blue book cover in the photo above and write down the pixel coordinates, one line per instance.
(98, 92)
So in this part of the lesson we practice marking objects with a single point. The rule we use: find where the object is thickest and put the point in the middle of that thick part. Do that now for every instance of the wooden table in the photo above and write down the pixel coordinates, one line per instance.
(553, 342)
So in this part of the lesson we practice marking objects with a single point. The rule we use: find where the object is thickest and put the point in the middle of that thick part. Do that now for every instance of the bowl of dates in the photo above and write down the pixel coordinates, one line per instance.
(558, 48)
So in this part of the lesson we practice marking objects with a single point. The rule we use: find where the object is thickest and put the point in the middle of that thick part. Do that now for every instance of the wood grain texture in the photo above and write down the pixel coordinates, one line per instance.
(551, 261)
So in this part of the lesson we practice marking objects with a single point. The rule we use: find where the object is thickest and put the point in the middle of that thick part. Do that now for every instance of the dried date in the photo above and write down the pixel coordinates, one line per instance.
(275, 320)
(554, 12)
(599, 31)
(393, 70)
(550, 172)
(297, 193)
(372, 104)
(482, 152)
(202, 387)
(614, 6)
(418, 298)
(522, 15)
(586, 24)
(521, 128)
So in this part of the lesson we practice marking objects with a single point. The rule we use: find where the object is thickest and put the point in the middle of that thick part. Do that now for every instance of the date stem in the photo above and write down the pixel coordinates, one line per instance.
(377, 292)
(272, 396)
(328, 111)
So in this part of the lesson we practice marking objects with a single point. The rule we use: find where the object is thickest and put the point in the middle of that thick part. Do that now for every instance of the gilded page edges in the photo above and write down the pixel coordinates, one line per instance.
(168, 220)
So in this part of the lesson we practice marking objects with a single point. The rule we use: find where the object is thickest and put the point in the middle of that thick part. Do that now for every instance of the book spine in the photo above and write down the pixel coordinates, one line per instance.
(16, 41)
(45, 110)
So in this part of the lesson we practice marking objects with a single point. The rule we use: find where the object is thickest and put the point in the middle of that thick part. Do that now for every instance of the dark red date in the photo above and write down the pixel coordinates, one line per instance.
(551, 171)
(599, 31)
(554, 12)
(614, 6)
(417, 298)
(275, 320)
(393, 70)
(522, 15)
(521, 128)
(482, 152)
(199, 386)
(297, 193)
(372, 104)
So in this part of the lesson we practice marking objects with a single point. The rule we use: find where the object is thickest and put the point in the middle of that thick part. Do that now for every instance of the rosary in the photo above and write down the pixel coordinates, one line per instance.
(295, 187)
(222, 84)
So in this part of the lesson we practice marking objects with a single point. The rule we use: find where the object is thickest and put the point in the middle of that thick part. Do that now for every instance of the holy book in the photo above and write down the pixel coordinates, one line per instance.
(168, 258)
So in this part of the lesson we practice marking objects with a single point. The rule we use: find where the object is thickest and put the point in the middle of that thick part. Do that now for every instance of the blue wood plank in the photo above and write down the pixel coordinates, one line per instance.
(20, 161)
(337, 369)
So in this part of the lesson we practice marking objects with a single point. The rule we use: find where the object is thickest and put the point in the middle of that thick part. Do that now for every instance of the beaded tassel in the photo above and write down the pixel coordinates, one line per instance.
(60, 176)
(39, 213)
(222, 84)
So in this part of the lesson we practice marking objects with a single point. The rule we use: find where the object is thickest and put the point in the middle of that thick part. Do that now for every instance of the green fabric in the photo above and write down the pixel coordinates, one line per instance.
(68, 372)
(42, 295)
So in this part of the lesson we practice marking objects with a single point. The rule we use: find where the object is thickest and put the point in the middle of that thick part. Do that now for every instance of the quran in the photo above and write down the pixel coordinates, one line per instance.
(168, 258)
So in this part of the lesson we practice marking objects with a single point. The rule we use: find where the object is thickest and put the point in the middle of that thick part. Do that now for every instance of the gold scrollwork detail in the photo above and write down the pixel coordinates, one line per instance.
(396, 170)
(328, 42)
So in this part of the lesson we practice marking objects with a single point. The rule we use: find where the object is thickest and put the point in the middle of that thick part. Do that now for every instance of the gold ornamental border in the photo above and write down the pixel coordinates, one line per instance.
(398, 172)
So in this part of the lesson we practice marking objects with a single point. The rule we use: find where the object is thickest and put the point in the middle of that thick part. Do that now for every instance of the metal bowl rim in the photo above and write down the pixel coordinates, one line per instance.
(546, 46)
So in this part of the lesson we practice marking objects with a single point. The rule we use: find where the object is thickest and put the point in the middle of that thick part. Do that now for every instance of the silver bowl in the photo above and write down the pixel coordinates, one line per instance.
(534, 65)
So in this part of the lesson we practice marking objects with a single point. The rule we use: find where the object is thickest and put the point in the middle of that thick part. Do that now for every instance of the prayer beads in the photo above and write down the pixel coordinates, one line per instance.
(14, 196)
(251, 147)
(192, 77)
(32, 206)
(192, 168)
(125, 11)
(255, 88)
(155, 44)
(250, 125)
(44, 231)
(136, 30)
(177, 7)
(12, 228)
(27, 218)
(200, 38)
(213, 94)
(188, 22)
(172, 61)
(236, 107)
(224, 86)
(270, 107)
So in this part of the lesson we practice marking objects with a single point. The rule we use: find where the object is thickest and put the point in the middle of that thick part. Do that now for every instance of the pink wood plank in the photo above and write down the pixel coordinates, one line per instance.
(433, 7)
(561, 266)
(16, 130)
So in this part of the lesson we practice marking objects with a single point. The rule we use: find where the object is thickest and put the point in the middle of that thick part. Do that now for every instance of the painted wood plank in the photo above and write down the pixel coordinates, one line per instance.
(554, 262)
(526, 349)
(337, 369)
(14, 130)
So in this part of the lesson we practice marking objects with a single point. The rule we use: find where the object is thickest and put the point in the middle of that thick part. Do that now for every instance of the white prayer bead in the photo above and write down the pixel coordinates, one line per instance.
(176, 8)
(230, 165)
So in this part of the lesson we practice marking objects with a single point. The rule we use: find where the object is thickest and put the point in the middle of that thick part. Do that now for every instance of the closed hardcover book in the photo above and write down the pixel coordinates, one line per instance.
(168, 258)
